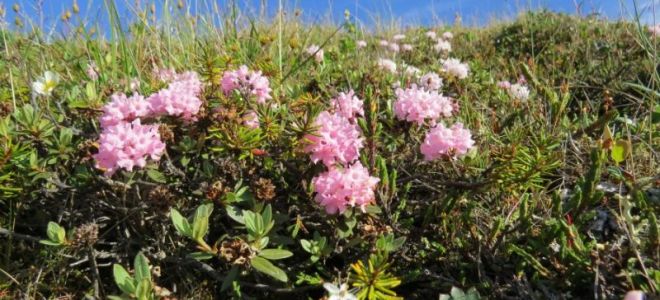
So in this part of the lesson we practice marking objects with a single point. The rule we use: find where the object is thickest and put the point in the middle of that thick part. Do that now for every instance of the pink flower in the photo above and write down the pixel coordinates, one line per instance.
(164, 74)
(431, 81)
(394, 47)
(180, 98)
(442, 141)
(399, 37)
(407, 47)
(418, 105)
(317, 52)
(247, 83)
(505, 84)
(124, 109)
(519, 92)
(447, 35)
(338, 189)
(134, 84)
(92, 71)
(348, 105)
(336, 140)
(361, 44)
(384, 43)
(387, 64)
(431, 34)
(411, 70)
(654, 30)
(442, 46)
(455, 68)
(127, 145)
(251, 119)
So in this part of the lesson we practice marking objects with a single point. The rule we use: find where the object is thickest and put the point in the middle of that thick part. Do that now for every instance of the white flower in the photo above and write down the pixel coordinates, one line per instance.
(447, 35)
(383, 43)
(411, 70)
(317, 52)
(361, 44)
(338, 292)
(134, 84)
(442, 46)
(454, 67)
(431, 81)
(519, 92)
(46, 84)
(431, 34)
(398, 37)
(407, 47)
(387, 64)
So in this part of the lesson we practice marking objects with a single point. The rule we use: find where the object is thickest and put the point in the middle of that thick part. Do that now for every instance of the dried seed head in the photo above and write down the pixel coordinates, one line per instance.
(236, 252)
(265, 189)
(166, 133)
(85, 235)
(161, 198)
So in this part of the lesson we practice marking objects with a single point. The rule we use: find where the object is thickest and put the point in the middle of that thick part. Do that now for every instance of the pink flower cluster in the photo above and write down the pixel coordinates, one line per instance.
(251, 120)
(247, 83)
(431, 81)
(125, 142)
(317, 52)
(337, 189)
(416, 104)
(126, 145)
(348, 105)
(180, 98)
(454, 67)
(654, 30)
(442, 141)
(337, 140)
(124, 109)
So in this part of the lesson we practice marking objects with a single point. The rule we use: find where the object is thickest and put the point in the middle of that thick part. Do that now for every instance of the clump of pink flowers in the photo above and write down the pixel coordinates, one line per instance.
(340, 188)
(431, 81)
(92, 71)
(317, 52)
(442, 46)
(336, 140)
(415, 104)
(654, 30)
(348, 105)
(251, 119)
(247, 83)
(180, 98)
(124, 109)
(431, 34)
(448, 142)
(518, 91)
(454, 67)
(126, 145)
(447, 35)
(361, 44)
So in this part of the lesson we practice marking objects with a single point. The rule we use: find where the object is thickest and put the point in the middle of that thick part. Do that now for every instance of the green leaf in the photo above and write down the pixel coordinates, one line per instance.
(230, 278)
(275, 254)
(123, 279)
(56, 233)
(620, 151)
(201, 221)
(143, 290)
(156, 176)
(180, 223)
(49, 243)
(141, 265)
(307, 245)
(250, 219)
(264, 266)
(200, 256)
(236, 214)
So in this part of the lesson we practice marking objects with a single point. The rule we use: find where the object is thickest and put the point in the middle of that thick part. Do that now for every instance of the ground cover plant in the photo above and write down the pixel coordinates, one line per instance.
(212, 155)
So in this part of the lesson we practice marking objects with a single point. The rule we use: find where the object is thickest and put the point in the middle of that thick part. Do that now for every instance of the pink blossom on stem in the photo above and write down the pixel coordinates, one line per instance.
(442, 141)
(317, 52)
(247, 83)
(340, 188)
(417, 105)
(180, 98)
(127, 145)
(336, 140)
(124, 109)
(454, 67)
(348, 105)
(251, 120)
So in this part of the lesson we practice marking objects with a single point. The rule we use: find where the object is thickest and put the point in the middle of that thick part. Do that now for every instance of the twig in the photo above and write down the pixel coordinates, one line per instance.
(12, 234)
(95, 270)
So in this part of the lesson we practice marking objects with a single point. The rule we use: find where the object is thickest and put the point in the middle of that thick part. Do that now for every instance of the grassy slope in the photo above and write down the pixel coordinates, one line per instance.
(485, 221)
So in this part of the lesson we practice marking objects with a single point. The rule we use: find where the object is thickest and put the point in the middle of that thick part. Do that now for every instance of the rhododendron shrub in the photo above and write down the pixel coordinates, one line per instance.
(180, 98)
(336, 140)
(415, 104)
(124, 109)
(442, 141)
(348, 105)
(455, 68)
(127, 145)
(340, 188)
(248, 83)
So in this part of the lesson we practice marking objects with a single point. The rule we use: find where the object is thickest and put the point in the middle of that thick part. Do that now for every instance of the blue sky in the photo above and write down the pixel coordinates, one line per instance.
(368, 12)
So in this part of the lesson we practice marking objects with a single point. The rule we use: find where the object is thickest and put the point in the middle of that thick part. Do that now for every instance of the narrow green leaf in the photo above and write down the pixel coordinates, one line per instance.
(181, 223)
(230, 278)
(156, 176)
(123, 279)
(275, 254)
(264, 266)
(141, 265)
(201, 221)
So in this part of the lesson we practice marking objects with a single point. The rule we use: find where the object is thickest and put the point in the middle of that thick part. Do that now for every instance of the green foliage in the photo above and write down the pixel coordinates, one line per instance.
(56, 235)
(139, 286)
